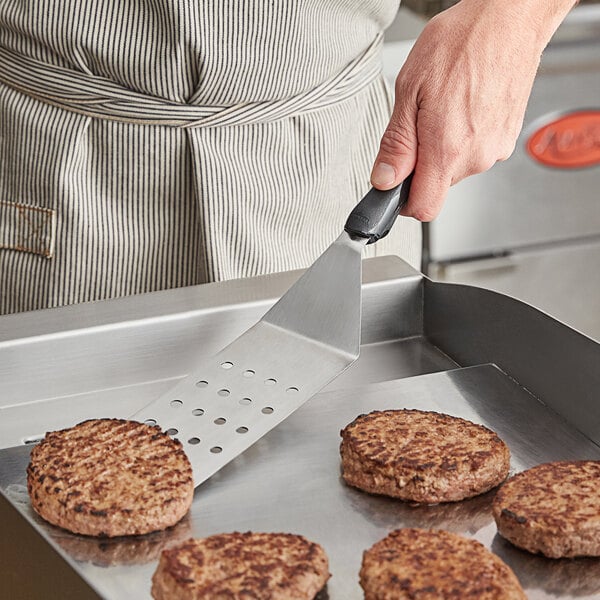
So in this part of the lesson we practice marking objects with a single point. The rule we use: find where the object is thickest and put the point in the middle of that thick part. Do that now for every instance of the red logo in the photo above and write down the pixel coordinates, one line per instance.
(570, 142)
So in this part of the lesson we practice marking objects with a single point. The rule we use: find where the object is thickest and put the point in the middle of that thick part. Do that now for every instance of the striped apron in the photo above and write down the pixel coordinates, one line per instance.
(152, 144)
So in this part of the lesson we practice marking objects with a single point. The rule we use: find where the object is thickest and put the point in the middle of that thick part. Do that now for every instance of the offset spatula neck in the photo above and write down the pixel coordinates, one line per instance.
(324, 305)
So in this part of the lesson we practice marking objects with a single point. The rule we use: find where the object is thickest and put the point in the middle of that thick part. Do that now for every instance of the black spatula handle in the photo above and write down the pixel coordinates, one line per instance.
(375, 214)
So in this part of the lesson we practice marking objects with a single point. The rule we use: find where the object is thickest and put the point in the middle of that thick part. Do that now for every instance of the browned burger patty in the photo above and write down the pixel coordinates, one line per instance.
(424, 457)
(553, 509)
(240, 566)
(419, 564)
(110, 477)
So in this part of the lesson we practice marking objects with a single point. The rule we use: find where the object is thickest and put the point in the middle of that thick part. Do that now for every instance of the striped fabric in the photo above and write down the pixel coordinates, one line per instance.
(150, 144)
(101, 98)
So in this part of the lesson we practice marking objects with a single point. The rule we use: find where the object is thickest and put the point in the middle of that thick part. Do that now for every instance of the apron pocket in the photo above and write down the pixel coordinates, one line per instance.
(27, 228)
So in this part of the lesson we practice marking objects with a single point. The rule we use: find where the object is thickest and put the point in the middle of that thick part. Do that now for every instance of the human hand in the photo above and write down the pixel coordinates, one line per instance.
(461, 96)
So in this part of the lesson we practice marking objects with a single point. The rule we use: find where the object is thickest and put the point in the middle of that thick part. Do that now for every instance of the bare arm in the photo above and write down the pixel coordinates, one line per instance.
(461, 95)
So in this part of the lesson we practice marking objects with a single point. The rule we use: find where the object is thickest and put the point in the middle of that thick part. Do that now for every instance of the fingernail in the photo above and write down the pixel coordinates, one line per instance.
(383, 174)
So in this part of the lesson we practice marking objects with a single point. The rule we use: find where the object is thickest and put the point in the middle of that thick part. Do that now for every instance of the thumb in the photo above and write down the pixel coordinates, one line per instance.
(398, 147)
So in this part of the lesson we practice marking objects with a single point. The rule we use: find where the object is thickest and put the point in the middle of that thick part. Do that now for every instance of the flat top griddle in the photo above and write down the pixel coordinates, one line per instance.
(457, 350)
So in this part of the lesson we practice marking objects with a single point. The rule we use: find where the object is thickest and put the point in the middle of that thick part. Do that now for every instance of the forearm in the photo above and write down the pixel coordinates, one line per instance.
(542, 16)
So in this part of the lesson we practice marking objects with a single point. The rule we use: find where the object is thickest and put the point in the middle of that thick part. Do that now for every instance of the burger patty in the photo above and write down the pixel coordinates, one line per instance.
(419, 564)
(265, 566)
(110, 477)
(552, 509)
(420, 456)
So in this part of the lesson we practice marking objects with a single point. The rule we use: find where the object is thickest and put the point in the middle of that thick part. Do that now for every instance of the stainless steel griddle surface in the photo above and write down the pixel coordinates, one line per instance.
(290, 481)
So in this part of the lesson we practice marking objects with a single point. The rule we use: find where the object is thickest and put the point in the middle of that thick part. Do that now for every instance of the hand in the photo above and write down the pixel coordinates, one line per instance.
(461, 96)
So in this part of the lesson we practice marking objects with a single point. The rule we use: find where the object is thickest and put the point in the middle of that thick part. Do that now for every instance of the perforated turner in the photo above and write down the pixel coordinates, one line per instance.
(304, 341)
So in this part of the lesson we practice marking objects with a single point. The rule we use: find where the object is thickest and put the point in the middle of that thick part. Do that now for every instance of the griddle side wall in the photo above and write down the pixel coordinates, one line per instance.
(555, 363)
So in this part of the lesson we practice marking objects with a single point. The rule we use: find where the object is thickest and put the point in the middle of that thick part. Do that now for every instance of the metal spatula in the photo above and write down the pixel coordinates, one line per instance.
(304, 341)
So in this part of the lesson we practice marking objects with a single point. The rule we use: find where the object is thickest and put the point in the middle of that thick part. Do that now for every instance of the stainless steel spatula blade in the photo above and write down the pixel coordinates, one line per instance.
(303, 342)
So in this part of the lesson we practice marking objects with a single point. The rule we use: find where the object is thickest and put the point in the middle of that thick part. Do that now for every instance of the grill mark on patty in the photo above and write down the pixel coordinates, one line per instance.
(511, 515)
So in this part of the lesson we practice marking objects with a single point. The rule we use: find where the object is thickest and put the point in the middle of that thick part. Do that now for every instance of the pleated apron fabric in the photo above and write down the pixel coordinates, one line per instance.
(152, 144)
